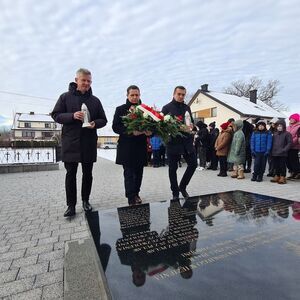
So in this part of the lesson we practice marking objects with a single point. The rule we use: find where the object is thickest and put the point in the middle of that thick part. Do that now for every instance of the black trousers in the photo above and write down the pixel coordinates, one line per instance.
(70, 182)
(191, 161)
(293, 161)
(271, 165)
(202, 156)
(156, 158)
(260, 164)
(132, 180)
(279, 165)
(213, 160)
(248, 161)
(223, 164)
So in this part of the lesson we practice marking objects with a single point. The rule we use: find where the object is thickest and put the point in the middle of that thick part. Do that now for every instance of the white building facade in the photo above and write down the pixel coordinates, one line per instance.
(34, 127)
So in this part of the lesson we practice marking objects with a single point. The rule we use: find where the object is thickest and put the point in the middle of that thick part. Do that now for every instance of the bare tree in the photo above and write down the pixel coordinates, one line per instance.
(265, 92)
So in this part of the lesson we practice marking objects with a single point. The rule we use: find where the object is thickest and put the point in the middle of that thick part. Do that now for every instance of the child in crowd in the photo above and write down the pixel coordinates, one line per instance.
(237, 153)
(293, 158)
(261, 144)
(222, 146)
(156, 142)
(282, 142)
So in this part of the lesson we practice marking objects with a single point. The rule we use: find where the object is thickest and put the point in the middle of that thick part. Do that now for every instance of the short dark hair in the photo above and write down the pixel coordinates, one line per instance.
(180, 87)
(132, 87)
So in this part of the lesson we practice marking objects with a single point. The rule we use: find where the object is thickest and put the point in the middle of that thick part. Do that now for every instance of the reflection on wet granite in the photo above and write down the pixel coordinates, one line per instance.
(231, 245)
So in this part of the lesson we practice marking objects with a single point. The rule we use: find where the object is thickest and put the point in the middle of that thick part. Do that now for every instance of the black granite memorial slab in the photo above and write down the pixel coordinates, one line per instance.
(231, 245)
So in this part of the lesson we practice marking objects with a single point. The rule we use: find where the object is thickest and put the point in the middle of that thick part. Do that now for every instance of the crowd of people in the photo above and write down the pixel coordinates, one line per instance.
(240, 142)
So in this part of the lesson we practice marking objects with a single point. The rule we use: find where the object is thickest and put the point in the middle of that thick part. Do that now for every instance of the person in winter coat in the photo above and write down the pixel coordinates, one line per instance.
(272, 129)
(131, 148)
(293, 158)
(261, 145)
(222, 146)
(212, 157)
(282, 142)
(201, 143)
(181, 145)
(237, 152)
(248, 129)
(79, 145)
(156, 143)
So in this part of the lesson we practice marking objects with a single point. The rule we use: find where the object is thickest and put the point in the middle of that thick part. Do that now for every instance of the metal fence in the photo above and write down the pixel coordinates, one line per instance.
(27, 155)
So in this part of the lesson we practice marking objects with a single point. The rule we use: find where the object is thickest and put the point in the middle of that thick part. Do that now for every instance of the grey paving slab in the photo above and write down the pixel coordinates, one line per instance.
(35, 215)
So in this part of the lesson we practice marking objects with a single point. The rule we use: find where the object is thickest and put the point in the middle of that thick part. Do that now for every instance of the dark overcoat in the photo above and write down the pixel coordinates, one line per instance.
(179, 144)
(78, 144)
(131, 150)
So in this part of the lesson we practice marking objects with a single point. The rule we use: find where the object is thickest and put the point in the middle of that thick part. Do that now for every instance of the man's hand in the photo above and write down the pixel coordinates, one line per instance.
(136, 133)
(92, 125)
(78, 115)
(186, 128)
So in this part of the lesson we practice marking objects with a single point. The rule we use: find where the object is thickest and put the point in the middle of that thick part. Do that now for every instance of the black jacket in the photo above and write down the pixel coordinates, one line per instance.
(179, 145)
(131, 150)
(202, 137)
(78, 144)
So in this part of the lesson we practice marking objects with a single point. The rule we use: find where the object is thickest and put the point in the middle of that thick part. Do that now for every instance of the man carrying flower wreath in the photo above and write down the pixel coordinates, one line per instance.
(132, 148)
(181, 144)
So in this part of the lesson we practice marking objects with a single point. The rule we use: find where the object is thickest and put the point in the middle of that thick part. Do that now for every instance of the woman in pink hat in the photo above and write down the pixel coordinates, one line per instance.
(293, 158)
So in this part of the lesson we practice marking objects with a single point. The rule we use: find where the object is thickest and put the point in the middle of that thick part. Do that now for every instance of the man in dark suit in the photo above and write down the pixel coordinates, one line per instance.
(131, 149)
(181, 145)
(79, 144)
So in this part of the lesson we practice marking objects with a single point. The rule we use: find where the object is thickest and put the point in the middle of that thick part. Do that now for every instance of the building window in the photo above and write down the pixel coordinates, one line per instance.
(214, 112)
(47, 125)
(47, 134)
(27, 125)
(30, 134)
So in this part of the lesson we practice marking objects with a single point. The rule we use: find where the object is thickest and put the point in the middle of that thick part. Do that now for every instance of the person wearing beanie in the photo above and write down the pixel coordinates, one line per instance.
(293, 158)
(272, 129)
(201, 144)
(247, 129)
(222, 146)
(212, 156)
(237, 152)
(261, 145)
(282, 142)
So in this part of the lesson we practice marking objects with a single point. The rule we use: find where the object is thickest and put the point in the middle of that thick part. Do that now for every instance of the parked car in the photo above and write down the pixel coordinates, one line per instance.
(109, 145)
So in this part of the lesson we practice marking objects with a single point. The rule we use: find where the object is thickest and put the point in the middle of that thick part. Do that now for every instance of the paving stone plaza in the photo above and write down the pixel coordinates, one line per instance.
(34, 232)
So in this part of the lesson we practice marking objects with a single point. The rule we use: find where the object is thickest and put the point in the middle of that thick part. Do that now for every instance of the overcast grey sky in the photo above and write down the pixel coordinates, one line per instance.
(155, 44)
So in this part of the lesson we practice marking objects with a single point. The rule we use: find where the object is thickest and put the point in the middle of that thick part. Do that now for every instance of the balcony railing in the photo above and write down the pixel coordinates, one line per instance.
(27, 155)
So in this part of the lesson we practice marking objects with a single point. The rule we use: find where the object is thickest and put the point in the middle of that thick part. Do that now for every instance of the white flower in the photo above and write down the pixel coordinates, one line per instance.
(167, 118)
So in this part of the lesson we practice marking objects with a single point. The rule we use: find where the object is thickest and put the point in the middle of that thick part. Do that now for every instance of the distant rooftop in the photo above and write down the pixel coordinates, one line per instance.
(242, 105)
(35, 118)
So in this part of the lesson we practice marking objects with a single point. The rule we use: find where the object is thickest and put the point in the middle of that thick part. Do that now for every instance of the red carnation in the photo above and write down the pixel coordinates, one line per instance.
(133, 116)
(180, 117)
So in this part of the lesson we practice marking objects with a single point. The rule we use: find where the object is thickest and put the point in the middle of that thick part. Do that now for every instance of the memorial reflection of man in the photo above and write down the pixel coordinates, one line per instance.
(150, 254)
(181, 235)
(103, 250)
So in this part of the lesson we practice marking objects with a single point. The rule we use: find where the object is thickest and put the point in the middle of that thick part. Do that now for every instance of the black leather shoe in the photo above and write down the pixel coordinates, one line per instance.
(138, 199)
(184, 193)
(259, 179)
(70, 211)
(86, 206)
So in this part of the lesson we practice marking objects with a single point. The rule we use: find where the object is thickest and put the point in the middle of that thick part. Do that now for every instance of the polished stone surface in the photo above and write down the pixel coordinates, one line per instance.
(231, 245)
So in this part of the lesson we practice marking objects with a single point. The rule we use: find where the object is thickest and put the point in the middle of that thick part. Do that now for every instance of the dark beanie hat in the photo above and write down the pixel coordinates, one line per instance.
(212, 124)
